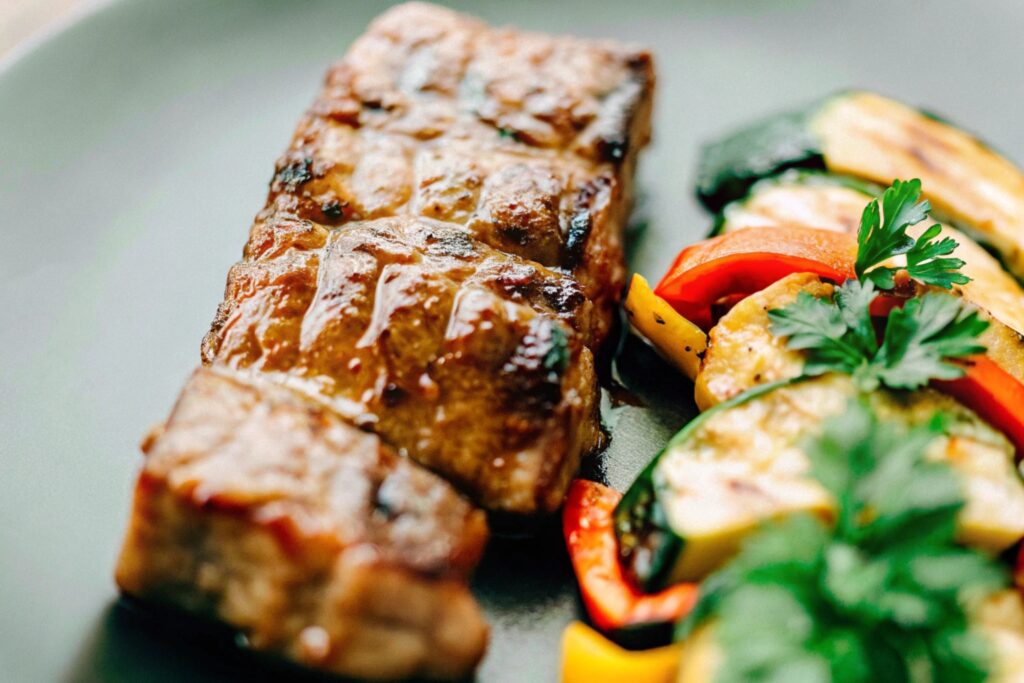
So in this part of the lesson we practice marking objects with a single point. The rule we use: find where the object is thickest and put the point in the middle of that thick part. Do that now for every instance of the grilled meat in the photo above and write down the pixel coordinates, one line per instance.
(529, 141)
(472, 360)
(441, 248)
(265, 510)
(439, 256)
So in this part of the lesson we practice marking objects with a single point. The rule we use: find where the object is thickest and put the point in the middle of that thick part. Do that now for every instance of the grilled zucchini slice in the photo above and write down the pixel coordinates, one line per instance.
(817, 200)
(741, 464)
(870, 137)
(743, 353)
(799, 198)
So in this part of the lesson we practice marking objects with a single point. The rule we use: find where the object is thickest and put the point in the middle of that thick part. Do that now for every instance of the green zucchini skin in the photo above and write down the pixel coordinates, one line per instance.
(729, 166)
(648, 547)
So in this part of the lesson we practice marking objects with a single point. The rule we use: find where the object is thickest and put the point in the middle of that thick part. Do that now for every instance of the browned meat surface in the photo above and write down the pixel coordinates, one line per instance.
(470, 359)
(527, 140)
(441, 248)
(439, 256)
(265, 510)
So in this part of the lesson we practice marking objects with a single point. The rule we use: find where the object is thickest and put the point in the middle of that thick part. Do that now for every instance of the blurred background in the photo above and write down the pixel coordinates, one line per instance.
(21, 20)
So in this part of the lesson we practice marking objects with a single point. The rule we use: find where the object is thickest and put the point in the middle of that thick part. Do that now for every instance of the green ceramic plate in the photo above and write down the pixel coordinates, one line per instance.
(135, 146)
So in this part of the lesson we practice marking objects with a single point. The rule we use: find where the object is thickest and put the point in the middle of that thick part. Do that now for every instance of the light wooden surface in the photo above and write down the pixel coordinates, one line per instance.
(20, 20)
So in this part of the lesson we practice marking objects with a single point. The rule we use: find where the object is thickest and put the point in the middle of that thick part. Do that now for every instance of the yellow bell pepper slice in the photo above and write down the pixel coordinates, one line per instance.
(675, 337)
(589, 657)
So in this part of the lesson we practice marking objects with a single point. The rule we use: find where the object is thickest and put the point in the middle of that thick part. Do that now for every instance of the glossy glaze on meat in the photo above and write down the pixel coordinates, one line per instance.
(471, 360)
(528, 141)
(267, 511)
(441, 248)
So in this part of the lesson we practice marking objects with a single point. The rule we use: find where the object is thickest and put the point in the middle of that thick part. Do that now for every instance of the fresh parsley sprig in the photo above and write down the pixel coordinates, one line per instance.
(879, 597)
(883, 236)
(919, 342)
(920, 339)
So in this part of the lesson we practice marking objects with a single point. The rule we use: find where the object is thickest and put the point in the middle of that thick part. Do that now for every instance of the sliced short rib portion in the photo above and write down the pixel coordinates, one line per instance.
(264, 510)
(469, 359)
(441, 250)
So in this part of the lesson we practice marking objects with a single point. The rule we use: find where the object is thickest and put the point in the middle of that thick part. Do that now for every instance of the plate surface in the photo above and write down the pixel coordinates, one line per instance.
(135, 146)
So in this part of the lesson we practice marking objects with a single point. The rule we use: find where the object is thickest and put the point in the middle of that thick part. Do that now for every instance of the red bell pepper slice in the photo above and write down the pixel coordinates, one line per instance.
(993, 393)
(747, 261)
(611, 600)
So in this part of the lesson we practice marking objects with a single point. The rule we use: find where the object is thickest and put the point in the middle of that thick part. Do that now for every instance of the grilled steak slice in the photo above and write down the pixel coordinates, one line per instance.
(471, 360)
(528, 140)
(262, 509)
(441, 248)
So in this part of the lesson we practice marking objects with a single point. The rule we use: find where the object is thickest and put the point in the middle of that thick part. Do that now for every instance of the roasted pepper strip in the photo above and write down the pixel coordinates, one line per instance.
(678, 339)
(589, 657)
(709, 271)
(994, 394)
(611, 600)
(747, 261)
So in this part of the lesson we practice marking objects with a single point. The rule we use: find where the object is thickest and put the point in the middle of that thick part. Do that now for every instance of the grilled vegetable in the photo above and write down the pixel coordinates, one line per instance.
(741, 464)
(997, 395)
(884, 595)
(874, 138)
(743, 353)
(814, 200)
(612, 602)
(746, 261)
(801, 199)
(589, 657)
(678, 339)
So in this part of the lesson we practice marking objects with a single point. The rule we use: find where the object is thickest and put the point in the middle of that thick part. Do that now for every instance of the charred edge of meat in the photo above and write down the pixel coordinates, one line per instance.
(581, 223)
(619, 109)
(451, 242)
(524, 282)
(292, 172)
(537, 365)
(563, 299)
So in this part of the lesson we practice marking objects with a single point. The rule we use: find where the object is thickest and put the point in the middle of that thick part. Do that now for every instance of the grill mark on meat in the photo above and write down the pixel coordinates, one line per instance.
(582, 222)
(407, 126)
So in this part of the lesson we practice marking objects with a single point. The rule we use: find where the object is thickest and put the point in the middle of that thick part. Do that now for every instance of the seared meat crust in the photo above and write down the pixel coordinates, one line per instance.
(265, 510)
(471, 360)
(439, 255)
(441, 248)
(528, 140)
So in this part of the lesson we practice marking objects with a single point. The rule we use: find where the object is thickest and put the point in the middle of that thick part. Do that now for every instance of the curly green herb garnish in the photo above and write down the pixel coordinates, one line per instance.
(920, 339)
(879, 597)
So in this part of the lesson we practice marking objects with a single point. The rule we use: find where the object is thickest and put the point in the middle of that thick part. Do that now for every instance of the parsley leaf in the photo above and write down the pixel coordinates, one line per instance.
(883, 235)
(556, 358)
(817, 326)
(920, 337)
(837, 332)
(877, 598)
(917, 345)
(925, 262)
